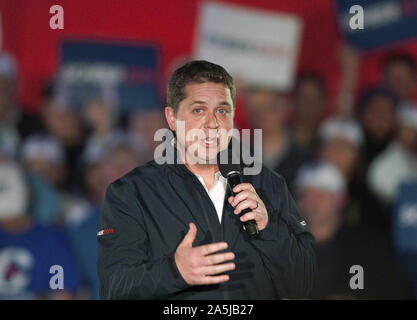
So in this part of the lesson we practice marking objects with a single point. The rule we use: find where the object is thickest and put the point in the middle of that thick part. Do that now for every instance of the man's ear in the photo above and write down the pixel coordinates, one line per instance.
(170, 117)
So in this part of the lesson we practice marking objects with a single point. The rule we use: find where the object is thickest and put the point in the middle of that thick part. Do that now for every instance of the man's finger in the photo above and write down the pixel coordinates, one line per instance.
(241, 196)
(207, 249)
(216, 269)
(218, 258)
(214, 279)
(243, 186)
(190, 236)
(249, 203)
(248, 216)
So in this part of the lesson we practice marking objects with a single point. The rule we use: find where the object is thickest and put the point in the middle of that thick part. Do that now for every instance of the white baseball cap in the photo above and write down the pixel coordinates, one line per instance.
(345, 128)
(407, 116)
(42, 146)
(321, 175)
(13, 191)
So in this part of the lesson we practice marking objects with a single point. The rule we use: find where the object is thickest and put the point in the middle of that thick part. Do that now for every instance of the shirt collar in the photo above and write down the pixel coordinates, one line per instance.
(217, 176)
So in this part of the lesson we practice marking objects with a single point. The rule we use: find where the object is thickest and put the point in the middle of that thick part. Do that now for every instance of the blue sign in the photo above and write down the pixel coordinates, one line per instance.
(405, 219)
(126, 75)
(385, 22)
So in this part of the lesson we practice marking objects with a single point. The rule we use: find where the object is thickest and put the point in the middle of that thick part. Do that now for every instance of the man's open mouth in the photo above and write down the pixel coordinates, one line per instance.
(210, 141)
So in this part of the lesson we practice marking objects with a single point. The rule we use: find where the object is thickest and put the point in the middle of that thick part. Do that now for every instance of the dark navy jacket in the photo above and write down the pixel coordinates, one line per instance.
(146, 214)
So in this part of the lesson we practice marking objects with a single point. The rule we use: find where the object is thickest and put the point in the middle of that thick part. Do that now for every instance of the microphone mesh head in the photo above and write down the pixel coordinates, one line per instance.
(228, 162)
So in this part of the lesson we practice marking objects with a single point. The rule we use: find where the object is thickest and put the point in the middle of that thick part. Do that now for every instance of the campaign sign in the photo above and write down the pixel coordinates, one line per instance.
(123, 74)
(257, 47)
(405, 219)
(385, 22)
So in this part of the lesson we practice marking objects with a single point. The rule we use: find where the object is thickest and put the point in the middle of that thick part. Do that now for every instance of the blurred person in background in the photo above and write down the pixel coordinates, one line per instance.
(399, 74)
(27, 249)
(15, 121)
(309, 96)
(398, 163)
(377, 115)
(270, 111)
(120, 154)
(143, 124)
(322, 197)
(43, 156)
(65, 123)
(9, 136)
(340, 140)
(350, 61)
(30, 121)
(100, 122)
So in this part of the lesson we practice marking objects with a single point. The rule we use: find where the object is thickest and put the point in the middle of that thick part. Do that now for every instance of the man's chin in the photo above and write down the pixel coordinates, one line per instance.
(203, 158)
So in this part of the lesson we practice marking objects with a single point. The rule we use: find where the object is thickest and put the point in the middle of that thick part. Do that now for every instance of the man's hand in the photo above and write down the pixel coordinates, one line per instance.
(248, 198)
(198, 265)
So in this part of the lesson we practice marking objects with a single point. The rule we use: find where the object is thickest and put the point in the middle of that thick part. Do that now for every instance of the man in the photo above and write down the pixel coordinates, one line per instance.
(29, 250)
(340, 142)
(310, 99)
(399, 74)
(397, 163)
(120, 154)
(376, 114)
(270, 111)
(322, 196)
(166, 230)
(9, 136)
(64, 123)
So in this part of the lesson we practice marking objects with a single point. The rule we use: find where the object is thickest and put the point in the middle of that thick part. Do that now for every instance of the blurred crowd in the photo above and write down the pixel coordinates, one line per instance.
(348, 170)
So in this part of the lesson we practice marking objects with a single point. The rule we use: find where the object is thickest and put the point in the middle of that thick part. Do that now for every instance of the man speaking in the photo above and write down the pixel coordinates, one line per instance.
(176, 231)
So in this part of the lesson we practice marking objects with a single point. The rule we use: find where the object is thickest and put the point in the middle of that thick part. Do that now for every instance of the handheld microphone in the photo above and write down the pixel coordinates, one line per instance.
(232, 172)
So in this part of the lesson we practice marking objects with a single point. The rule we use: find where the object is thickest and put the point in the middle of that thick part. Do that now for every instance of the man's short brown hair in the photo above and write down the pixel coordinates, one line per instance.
(197, 71)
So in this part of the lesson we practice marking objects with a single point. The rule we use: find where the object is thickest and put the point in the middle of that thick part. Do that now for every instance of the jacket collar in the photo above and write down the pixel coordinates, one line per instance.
(173, 161)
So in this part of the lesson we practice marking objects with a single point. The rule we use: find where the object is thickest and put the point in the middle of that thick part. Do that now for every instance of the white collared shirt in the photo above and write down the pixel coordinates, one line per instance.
(217, 192)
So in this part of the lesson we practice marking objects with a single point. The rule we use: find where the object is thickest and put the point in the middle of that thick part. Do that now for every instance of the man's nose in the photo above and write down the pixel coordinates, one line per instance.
(211, 121)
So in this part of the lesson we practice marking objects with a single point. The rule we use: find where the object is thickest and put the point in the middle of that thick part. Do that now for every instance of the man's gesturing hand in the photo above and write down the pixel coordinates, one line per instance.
(198, 265)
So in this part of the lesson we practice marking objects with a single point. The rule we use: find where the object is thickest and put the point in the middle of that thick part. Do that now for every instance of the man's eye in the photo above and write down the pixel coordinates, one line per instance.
(223, 111)
(197, 111)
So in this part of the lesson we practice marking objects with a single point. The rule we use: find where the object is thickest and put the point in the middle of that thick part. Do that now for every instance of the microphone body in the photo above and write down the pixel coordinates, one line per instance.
(233, 179)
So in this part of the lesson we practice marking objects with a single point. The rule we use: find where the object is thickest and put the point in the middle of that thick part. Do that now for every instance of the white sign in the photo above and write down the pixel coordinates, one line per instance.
(257, 47)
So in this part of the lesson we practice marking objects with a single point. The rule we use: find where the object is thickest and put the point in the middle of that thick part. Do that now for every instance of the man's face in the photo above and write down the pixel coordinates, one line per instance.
(6, 95)
(341, 153)
(119, 162)
(378, 118)
(203, 120)
(407, 137)
(319, 206)
(63, 123)
(401, 80)
(267, 110)
(54, 173)
(310, 102)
